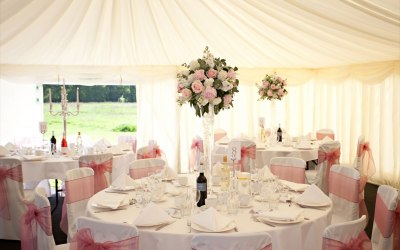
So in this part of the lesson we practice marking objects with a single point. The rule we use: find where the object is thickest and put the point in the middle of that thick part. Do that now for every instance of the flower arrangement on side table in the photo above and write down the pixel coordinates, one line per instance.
(207, 82)
(272, 87)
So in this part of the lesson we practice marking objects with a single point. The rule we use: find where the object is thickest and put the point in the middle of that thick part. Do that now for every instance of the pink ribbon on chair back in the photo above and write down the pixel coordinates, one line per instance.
(364, 151)
(246, 153)
(344, 187)
(152, 153)
(289, 173)
(138, 173)
(83, 240)
(361, 242)
(321, 136)
(388, 221)
(15, 174)
(331, 157)
(268, 247)
(41, 216)
(100, 180)
(196, 149)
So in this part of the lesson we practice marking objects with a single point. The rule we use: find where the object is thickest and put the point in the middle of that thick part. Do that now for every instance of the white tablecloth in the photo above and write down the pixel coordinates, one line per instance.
(55, 168)
(305, 235)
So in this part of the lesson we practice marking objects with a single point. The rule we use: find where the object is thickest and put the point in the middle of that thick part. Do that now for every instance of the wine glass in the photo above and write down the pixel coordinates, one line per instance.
(43, 130)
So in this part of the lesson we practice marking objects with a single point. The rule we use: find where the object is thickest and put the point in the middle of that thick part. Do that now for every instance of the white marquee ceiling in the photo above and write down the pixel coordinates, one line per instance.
(248, 33)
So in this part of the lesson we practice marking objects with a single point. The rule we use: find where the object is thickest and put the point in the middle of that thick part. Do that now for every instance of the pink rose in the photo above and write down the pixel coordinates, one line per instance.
(261, 92)
(265, 84)
(280, 92)
(210, 93)
(199, 74)
(197, 87)
(180, 87)
(269, 92)
(284, 83)
(279, 79)
(273, 86)
(186, 93)
(227, 100)
(232, 74)
(212, 73)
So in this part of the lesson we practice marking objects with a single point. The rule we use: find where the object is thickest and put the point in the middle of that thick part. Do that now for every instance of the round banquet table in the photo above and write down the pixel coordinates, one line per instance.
(306, 234)
(265, 153)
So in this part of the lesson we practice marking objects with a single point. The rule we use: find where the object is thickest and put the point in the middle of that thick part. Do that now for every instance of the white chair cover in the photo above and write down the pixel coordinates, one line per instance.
(328, 155)
(247, 152)
(346, 235)
(387, 211)
(102, 167)
(141, 168)
(237, 241)
(79, 185)
(344, 186)
(288, 168)
(322, 133)
(106, 232)
(12, 204)
(150, 151)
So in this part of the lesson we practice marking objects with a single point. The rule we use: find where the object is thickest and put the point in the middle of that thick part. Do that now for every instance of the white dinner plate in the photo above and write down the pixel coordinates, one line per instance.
(107, 207)
(126, 188)
(324, 204)
(269, 220)
(305, 148)
(202, 229)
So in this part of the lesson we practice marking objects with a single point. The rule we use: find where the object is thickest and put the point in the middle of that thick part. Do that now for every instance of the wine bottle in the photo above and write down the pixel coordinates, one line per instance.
(202, 187)
(79, 143)
(279, 134)
(64, 145)
(225, 174)
(53, 143)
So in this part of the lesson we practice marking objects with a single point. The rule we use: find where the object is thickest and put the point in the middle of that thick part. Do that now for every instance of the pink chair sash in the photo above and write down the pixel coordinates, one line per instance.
(321, 136)
(331, 158)
(41, 216)
(83, 240)
(388, 221)
(365, 152)
(154, 153)
(268, 247)
(137, 173)
(246, 153)
(196, 150)
(15, 174)
(289, 173)
(344, 187)
(219, 136)
(75, 190)
(100, 180)
(361, 242)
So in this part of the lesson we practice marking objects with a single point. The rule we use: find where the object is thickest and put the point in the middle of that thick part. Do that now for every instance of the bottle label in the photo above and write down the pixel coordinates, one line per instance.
(202, 186)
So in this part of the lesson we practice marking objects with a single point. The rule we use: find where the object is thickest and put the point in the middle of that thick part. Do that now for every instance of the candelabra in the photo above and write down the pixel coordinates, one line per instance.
(64, 105)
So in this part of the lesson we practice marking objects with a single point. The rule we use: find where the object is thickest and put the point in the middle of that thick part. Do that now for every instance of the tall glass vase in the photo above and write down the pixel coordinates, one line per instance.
(208, 142)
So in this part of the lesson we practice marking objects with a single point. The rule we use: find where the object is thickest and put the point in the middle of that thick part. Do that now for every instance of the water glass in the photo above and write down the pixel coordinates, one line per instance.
(233, 204)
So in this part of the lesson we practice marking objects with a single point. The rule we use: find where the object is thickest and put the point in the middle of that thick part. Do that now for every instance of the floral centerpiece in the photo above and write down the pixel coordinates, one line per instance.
(272, 87)
(207, 82)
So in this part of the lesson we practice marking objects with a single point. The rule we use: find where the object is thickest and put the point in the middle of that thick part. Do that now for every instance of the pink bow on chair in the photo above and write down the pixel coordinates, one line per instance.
(15, 174)
(152, 153)
(361, 242)
(196, 149)
(368, 167)
(245, 153)
(83, 240)
(330, 157)
(41, 216)
(100, 180)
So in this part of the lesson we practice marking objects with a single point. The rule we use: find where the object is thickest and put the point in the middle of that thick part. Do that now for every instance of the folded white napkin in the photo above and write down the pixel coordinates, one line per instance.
(313, 196)
(266, 173)
(152, 215)
(326, 139)
(211, 220)
(4, 151)
(102, 143)
(11, 146)
(113, 202)
(283, 214)
(120, 181)
(298, 187)
(170, 173)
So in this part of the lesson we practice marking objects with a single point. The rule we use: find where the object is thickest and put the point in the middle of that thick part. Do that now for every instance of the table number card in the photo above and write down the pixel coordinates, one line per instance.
(234, 150)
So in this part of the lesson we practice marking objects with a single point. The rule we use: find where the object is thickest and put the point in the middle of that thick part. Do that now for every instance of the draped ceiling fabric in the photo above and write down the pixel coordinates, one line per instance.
(350, 48)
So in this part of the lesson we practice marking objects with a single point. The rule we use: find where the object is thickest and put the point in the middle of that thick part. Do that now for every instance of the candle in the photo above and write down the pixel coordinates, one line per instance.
(50, 96)
(77, 96)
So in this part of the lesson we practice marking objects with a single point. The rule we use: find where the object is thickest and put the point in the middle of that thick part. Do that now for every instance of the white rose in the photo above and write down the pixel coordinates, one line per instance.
(190, 79)
(185, 72)
(217, 101)
(203, 101)
(209, 82)
(226, 86)
(222, 75)
(210, 62)
(194, 65)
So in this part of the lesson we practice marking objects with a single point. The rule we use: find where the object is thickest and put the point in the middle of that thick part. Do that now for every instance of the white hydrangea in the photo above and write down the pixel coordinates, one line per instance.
(190, 79)
(209, 82)
(222, 75)
(203, 101)
(226, 86)
(194, 65)
(210, 62)
(185, 72)
(217, 101)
